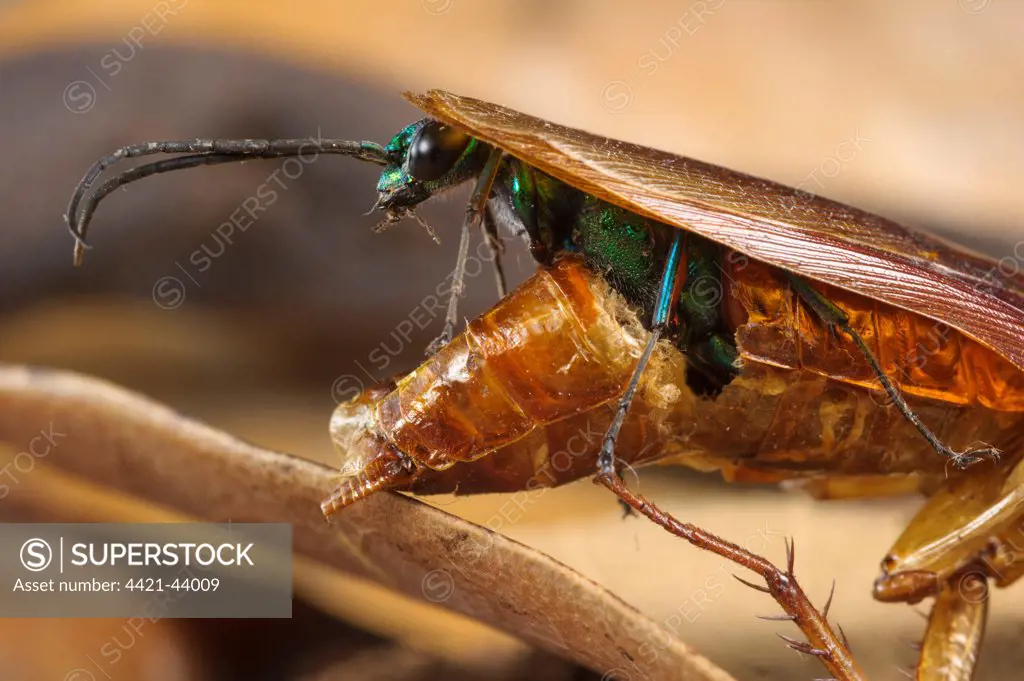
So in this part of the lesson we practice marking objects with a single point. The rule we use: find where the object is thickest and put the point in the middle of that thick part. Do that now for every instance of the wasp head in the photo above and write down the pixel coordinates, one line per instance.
(425, 159)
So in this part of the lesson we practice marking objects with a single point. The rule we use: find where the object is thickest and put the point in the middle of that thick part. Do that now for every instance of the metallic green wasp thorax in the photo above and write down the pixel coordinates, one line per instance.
(630, 251)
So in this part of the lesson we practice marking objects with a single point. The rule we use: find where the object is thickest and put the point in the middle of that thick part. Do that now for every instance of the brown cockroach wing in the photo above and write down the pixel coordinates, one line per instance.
(817, 238)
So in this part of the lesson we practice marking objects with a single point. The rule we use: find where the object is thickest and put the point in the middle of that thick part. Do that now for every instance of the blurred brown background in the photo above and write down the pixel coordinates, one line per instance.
(262, 341)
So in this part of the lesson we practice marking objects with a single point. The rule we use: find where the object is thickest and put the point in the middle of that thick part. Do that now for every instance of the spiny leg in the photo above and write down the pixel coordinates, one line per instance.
(474, 214)
(837, 319)
(822, 642)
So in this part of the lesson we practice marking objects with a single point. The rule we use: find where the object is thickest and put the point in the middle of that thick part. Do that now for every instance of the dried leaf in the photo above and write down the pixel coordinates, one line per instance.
(115, 438)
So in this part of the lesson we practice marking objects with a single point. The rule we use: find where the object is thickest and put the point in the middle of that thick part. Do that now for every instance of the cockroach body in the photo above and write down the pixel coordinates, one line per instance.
(488, 411)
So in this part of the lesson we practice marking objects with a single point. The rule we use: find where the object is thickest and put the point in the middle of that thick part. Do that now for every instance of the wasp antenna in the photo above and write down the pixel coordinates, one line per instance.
(79, 253)
(192, 153)
(82, 208)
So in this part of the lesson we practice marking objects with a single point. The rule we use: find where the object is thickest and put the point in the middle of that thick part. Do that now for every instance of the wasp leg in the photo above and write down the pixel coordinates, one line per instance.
(837, 319)
(668, 294)
(822, 642)
(955, 629)
(474, 214)
(496, 247)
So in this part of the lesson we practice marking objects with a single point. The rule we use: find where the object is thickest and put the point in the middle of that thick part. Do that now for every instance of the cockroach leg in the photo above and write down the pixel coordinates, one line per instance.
(835, 318)
(955, 629)
(958, 525)
(822, 642)
(1004, 560)
(495, 247)
(959, 542)
(474, 214)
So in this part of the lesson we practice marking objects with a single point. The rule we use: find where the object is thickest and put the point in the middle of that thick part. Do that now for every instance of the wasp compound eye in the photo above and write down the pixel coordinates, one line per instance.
(435, 150)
